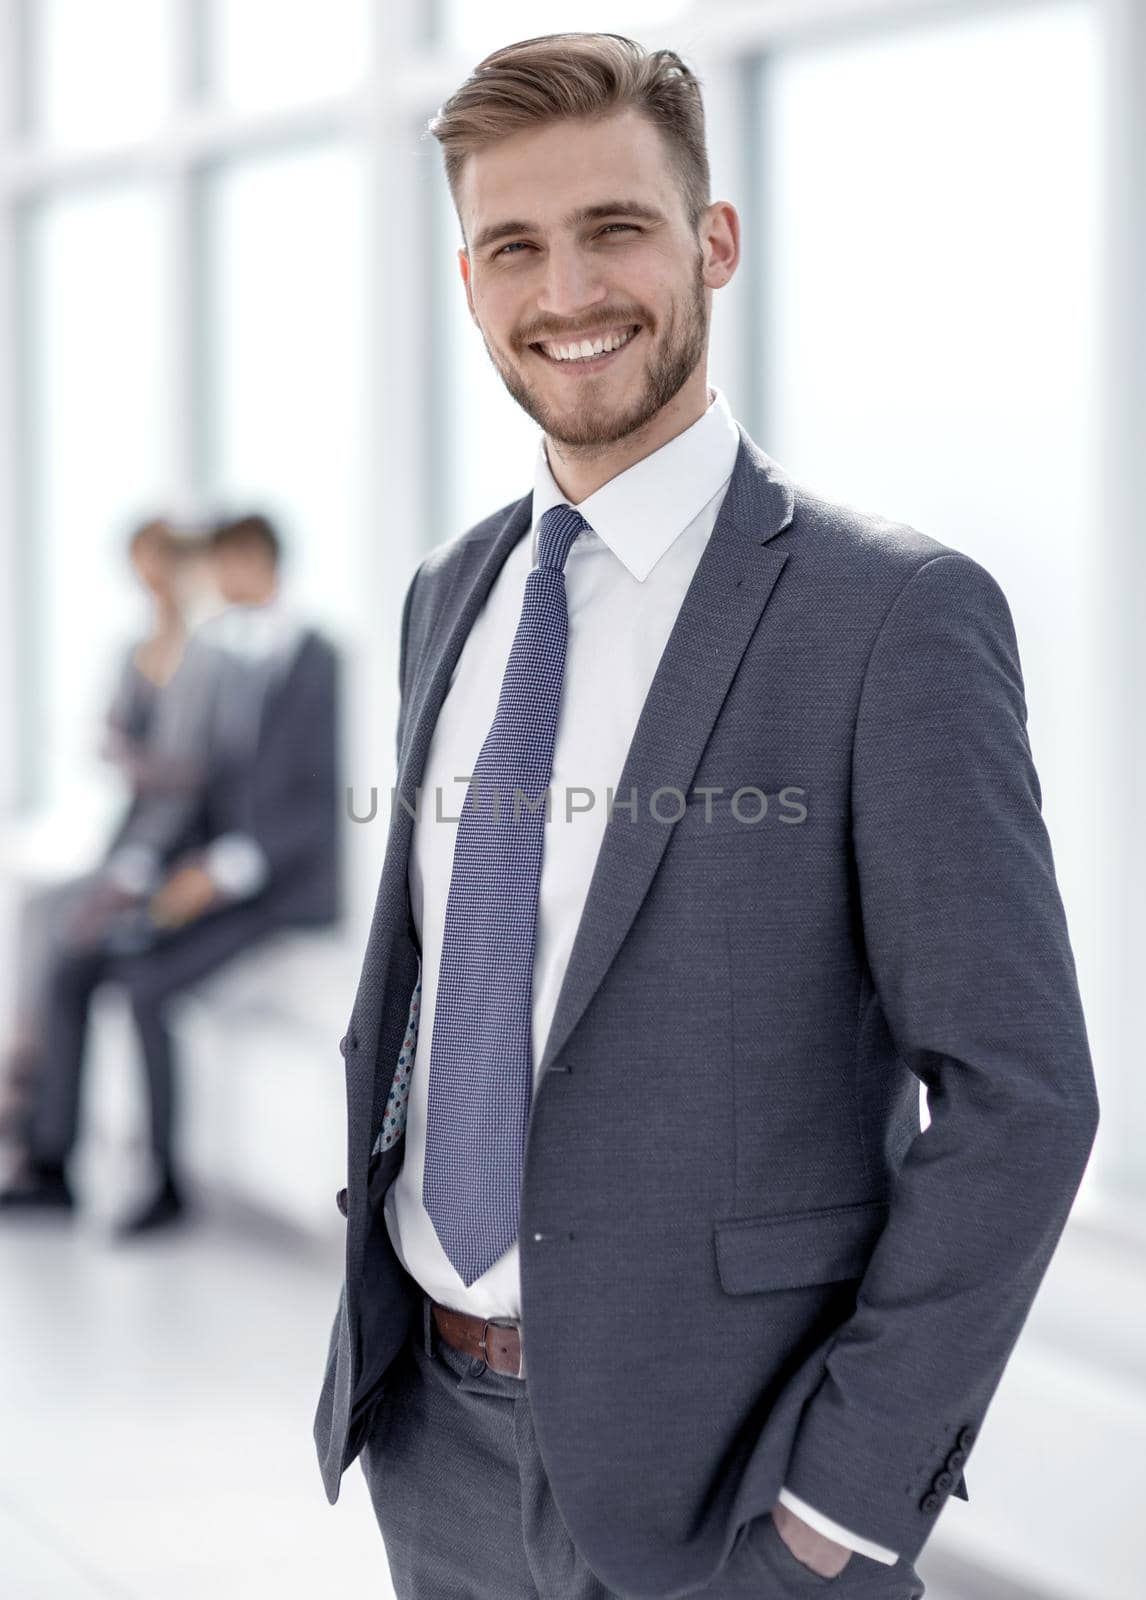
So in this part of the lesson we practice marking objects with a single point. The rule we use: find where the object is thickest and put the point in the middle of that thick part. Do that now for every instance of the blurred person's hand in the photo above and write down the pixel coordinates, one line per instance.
(91, 917)
(187, 894)
(156, 774)
(823, 1555)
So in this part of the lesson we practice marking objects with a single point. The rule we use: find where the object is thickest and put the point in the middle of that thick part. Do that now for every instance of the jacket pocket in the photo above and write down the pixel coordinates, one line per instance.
(797, 1249)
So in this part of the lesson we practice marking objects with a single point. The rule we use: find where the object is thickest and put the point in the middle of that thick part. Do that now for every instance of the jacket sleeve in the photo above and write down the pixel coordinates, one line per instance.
(298, 823)
(970, 961)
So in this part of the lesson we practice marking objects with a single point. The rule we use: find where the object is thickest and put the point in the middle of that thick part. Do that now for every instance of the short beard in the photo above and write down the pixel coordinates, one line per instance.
(593, 429)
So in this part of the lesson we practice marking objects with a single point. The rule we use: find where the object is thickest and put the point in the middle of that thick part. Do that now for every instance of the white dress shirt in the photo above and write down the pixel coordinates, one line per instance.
(625, 581)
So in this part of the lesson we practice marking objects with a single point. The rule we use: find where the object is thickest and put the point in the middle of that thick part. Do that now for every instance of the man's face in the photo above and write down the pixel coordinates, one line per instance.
(633, 271)
(244, 574)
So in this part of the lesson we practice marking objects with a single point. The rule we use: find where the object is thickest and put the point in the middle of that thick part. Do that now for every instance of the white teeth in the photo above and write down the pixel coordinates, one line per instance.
(586, 349)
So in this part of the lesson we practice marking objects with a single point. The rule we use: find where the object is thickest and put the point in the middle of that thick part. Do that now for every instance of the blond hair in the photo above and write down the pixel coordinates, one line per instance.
(578, 75)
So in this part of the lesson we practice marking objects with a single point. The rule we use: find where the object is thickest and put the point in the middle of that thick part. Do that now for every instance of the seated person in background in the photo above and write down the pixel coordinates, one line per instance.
(161, 561)
(204, 874)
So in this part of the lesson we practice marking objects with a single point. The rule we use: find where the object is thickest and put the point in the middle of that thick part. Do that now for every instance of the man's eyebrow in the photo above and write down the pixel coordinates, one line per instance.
(595, 213)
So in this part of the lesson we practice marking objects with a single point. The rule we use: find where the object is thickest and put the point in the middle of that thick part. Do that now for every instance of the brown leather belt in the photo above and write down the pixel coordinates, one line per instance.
(498, 1344)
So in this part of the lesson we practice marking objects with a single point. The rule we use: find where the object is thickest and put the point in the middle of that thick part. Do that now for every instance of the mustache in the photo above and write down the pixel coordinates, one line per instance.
(607, 320)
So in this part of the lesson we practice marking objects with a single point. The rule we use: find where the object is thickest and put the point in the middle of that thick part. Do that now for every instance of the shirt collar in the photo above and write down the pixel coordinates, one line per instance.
(256, 632)
(644, 509)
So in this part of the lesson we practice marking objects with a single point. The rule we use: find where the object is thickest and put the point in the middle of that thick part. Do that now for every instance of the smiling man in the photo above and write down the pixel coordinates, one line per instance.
(654, 1285)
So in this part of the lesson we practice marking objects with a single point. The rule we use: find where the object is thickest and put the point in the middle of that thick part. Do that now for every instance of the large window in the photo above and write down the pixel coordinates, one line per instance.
(261, 54)
(99, 394)
(285, 406)
(100, 73)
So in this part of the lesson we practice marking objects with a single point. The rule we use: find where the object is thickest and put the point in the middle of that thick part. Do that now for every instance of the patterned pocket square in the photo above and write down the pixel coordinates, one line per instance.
(394, 1117)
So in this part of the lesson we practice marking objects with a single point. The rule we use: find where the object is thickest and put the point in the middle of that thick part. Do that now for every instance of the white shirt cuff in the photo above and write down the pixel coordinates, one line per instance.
(134, 868)
(832, 1530)
(236, 864)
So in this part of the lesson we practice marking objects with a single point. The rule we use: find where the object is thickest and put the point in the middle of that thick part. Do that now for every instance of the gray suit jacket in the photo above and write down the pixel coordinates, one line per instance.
(742, 1262)
(272, 774)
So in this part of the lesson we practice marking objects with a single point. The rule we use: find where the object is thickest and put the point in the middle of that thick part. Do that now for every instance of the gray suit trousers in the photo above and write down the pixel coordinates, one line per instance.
(466, 1512)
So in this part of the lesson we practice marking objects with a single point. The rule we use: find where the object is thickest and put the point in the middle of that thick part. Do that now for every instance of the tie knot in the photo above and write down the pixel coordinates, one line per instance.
(556, 532)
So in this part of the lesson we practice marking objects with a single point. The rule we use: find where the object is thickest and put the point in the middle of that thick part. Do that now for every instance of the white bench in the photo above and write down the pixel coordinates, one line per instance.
(262, 1085)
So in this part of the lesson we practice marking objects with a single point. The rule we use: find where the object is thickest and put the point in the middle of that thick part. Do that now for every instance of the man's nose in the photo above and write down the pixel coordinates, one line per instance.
(572, 284)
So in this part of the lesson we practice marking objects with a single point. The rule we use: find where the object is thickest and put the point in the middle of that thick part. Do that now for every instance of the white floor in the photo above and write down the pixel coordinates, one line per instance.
(156, 1404)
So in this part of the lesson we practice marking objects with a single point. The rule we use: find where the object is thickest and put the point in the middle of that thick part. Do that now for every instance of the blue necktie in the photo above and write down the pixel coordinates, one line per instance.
(481, 1048)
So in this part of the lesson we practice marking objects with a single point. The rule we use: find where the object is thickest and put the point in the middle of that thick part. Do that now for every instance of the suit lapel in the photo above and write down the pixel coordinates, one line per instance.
(479, 563)
(724, 602)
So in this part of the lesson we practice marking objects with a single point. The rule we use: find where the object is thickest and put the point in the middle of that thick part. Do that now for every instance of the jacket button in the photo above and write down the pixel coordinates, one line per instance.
(966, 1439)
(340, 1201)
(942, 1482)
(956, 1459)
(930, 1502)
(342, 1045)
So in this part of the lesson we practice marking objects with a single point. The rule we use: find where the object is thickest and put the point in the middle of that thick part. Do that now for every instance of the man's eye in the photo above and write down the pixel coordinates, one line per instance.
(515, 244)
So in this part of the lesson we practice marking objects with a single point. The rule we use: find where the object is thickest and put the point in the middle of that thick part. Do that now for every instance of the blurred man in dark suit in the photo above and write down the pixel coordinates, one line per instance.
(205, 873)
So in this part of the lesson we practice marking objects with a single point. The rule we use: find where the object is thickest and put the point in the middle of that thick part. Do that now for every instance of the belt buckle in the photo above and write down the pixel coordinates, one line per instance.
(495, 1322)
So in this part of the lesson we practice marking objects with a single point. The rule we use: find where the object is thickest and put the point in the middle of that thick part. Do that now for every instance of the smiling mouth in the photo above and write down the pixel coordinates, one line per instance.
(589, 353)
